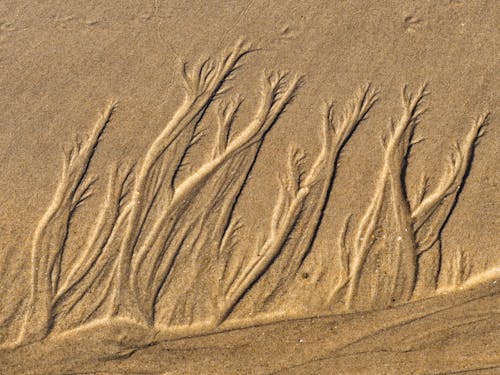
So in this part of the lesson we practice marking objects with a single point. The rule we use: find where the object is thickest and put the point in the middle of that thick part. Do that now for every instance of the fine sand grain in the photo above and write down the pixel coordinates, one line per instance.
(249, 187)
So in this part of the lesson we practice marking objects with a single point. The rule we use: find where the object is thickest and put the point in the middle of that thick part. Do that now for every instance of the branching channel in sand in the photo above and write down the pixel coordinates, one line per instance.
(164, 234)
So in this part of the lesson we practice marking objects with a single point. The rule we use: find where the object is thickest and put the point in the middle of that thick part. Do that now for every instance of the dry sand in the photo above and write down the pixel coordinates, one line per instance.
(249, 187)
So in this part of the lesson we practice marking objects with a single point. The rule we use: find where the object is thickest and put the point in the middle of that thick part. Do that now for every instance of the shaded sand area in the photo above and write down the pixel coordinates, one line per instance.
(456, 334)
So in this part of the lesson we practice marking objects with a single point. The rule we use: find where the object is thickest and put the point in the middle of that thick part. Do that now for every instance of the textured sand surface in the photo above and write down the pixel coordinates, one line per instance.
(235, 187)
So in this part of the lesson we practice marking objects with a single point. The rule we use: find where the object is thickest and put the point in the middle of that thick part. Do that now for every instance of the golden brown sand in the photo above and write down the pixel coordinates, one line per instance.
(249, 187)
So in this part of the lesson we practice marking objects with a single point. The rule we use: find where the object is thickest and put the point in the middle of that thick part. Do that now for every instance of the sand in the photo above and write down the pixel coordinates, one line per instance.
(249, 187)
